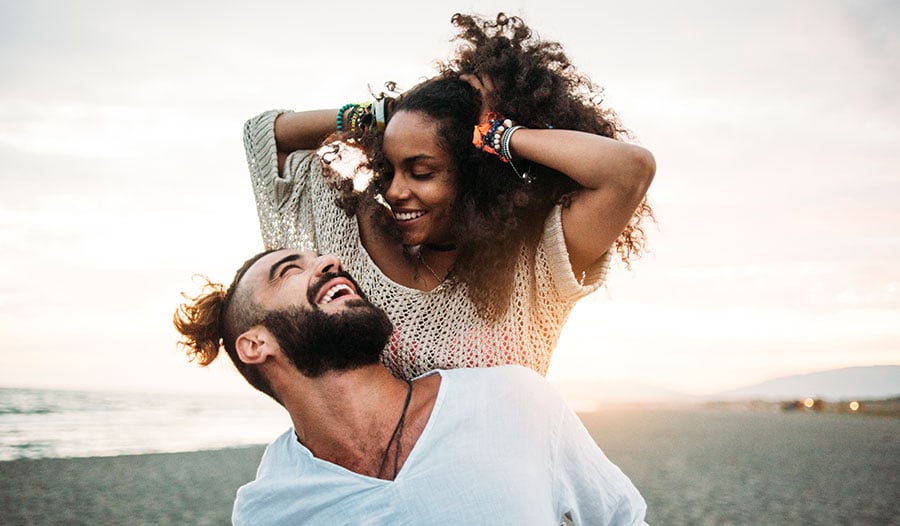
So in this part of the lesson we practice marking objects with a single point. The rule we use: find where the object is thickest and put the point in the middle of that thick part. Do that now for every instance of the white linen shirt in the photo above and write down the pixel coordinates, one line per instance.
(500, 447)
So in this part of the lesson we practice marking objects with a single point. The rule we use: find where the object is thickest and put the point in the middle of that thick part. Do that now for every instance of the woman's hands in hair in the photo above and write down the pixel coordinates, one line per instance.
(485, 87)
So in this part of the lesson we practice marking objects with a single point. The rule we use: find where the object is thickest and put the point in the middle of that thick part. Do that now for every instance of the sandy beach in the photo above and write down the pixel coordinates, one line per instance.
(694, 466)
(161, 489)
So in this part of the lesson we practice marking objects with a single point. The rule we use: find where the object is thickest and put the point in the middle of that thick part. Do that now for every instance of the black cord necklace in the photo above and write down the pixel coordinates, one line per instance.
(437, 247)
(398, 435)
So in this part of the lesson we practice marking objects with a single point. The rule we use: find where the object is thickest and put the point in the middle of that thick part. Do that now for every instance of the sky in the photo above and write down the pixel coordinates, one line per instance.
(775, 126)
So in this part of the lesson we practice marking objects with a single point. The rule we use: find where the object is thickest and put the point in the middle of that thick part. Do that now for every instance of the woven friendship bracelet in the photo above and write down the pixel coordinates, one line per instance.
(362, 118)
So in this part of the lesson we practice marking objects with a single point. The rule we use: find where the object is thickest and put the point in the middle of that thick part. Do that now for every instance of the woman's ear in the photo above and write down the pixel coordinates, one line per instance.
(255, 345)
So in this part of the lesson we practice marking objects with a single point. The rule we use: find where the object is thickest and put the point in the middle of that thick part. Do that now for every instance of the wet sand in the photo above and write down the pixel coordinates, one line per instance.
(693, 466)
(160, 489)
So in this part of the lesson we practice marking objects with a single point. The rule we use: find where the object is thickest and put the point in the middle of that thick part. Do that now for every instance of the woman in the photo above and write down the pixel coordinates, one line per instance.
(507, 187)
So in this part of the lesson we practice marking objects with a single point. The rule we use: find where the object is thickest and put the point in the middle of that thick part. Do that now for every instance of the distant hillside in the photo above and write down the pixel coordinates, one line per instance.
(851, 383)
(587, 395)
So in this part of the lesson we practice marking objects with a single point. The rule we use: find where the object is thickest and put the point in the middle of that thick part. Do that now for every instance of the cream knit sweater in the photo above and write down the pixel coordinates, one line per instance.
(438, 329)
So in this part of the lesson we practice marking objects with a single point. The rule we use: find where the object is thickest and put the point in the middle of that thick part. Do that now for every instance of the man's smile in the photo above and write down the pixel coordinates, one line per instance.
(336, 291)
(331, 288)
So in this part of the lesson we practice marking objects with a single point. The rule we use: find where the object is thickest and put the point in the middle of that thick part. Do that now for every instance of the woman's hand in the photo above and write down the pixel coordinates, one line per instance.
(485, 87)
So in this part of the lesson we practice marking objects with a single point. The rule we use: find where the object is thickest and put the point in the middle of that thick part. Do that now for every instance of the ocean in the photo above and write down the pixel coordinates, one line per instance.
(39, 423)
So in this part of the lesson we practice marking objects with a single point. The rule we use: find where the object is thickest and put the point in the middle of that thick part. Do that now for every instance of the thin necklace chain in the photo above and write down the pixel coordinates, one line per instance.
(421, 258)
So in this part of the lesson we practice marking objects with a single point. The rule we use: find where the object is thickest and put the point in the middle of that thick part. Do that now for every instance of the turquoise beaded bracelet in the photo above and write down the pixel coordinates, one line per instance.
(340, 115)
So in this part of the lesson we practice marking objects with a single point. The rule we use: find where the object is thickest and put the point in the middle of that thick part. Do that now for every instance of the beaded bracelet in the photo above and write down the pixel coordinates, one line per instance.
(340, 115)
(360, 116)
(488, 134)
(357, 119)
(493, 135)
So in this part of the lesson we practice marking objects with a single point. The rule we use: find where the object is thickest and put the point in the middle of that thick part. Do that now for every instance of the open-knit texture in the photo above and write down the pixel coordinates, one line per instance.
(438, 329)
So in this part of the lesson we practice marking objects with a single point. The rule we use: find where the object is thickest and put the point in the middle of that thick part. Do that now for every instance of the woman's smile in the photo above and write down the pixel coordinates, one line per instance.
(421, 184)
(408, 216)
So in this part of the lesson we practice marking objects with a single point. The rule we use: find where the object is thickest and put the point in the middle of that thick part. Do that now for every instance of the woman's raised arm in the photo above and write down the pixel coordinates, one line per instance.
(302, 130)
(615, 176)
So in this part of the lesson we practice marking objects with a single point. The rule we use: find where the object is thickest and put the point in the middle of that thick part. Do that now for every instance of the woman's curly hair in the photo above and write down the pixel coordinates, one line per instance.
(497, 214)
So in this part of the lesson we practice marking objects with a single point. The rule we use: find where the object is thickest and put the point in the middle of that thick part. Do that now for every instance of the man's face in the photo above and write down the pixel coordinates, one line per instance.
(303, 279)
(322, 321)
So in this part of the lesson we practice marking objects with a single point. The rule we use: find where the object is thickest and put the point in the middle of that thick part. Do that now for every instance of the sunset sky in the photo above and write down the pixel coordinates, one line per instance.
(775, 126)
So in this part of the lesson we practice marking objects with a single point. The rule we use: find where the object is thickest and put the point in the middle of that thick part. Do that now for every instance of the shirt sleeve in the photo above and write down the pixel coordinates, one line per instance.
(568, 285)
(589, 487)
(283, 204)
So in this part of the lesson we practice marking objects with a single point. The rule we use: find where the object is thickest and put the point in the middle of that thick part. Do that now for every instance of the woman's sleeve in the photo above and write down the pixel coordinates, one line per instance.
(569, 286)
(283, 203)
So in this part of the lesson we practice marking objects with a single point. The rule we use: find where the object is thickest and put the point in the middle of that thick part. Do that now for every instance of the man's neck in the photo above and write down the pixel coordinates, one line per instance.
(348, 417)
(340, 400)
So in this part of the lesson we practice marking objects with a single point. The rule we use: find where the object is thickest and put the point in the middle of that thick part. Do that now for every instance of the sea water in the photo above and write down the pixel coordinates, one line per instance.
(38, 423)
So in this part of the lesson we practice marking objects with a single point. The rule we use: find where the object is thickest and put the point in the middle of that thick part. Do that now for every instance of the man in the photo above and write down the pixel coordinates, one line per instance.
(465, 446)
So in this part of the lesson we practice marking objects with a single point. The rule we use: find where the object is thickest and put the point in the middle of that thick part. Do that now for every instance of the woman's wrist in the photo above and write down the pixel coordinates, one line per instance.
(342, 116)
(505, 141)
(354, 117)
(494, 135)
(363, 116)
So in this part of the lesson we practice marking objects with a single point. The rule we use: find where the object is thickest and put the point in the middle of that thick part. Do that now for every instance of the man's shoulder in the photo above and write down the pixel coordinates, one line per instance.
(278, 453)
(513, 373)
(501, 381)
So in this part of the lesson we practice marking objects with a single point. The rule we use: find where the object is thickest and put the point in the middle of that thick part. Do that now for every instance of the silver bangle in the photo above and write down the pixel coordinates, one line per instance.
(504, 142)
(506, 154)
(378, 106)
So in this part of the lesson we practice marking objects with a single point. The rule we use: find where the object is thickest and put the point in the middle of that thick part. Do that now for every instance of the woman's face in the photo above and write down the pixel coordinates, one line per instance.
(421, 181)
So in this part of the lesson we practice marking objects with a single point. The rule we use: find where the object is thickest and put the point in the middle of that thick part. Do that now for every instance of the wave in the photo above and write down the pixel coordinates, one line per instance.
(37, 423)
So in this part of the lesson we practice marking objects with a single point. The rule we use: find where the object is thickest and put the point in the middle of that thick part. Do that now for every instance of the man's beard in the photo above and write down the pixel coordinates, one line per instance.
(317, 342)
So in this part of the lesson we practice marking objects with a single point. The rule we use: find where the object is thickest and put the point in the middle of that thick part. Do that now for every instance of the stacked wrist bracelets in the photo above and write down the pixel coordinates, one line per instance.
(362, 116)
(493, 135)
(359, 117)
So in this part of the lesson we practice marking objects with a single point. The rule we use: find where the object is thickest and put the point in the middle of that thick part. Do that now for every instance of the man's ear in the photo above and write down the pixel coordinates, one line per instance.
(255, 345)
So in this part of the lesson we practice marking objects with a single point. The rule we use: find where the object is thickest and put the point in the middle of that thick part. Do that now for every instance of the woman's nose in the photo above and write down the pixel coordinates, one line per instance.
(328, 263)
(397, 190)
